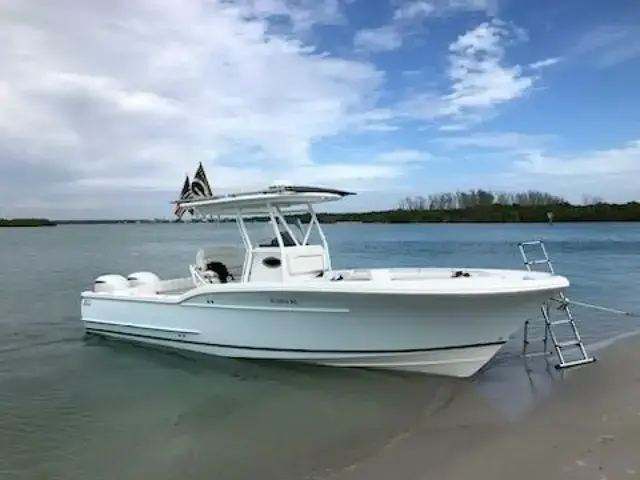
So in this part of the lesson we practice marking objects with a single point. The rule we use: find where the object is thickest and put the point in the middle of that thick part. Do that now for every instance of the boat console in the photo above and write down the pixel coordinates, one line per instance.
(272, 264)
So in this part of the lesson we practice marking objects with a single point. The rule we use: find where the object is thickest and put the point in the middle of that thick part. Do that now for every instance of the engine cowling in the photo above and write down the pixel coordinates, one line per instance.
(147, 282)
(110, 283)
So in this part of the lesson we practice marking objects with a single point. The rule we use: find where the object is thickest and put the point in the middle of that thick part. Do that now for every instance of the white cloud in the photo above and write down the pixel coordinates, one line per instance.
(407, 15)
(422, 8)
(504, 141)
(348, 175)
(489, 6)
(531, 155)
(609, 45)
(118, 99)
(453, 127)
(545, 63)
(378, 39)
(404, 156)
(480, 80)
(615, 162)
(522, 162)
(479, 77)
(126, 95)
(413, 10)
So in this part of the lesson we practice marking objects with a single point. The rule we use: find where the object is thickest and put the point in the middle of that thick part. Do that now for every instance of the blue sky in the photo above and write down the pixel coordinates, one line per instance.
(106, 105)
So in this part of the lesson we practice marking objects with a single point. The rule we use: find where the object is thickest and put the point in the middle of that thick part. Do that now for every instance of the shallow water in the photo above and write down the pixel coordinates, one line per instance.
(77, 409)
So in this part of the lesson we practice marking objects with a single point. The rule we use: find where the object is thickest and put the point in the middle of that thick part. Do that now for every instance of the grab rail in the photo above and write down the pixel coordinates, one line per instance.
(195, 275)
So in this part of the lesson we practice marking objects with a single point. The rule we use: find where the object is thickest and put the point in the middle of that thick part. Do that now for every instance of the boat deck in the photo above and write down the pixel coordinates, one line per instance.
(435, 281)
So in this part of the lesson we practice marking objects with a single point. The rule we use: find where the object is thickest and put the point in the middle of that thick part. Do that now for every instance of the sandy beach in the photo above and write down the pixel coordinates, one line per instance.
(589, 428)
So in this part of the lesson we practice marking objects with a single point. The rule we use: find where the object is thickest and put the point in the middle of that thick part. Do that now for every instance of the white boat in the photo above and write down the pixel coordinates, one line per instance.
(283, 300)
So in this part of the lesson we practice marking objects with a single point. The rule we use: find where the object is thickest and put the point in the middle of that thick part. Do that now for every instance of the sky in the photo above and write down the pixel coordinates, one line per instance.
(105, 106)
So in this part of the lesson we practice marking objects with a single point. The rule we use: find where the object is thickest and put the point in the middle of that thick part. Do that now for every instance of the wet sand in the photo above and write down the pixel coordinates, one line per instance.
(328, 424)
(589, 428)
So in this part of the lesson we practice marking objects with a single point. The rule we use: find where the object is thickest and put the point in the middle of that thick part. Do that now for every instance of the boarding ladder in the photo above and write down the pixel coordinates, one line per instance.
(573, 343)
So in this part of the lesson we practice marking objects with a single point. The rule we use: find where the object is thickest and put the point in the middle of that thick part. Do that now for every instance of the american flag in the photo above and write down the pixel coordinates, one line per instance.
(200, 185)
(184, 195)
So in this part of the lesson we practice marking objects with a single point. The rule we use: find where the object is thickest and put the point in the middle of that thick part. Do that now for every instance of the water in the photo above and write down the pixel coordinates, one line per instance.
(76, 409)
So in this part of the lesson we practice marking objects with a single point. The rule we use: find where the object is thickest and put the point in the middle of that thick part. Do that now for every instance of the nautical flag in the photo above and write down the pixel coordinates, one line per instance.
(200, 185)
(184, 194)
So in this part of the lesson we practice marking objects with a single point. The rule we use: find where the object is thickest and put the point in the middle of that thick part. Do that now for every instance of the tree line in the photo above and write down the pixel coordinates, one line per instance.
(479, 205)
(495, 207)
(478, 198)
(26, 222)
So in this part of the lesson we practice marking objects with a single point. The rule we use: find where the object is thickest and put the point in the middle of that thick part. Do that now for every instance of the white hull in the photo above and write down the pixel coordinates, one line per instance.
(459, 362)
(437, 333)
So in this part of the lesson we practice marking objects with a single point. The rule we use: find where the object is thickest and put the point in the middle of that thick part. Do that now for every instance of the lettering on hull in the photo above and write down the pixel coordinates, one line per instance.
(283, 301)
(273, 301)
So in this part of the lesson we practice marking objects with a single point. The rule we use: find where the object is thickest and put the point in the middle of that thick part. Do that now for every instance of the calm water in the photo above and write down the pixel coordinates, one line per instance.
(77, 409)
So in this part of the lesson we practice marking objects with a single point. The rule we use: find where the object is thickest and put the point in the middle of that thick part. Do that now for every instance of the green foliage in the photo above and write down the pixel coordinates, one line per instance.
(478, 198)
(484, 206)
(26, 222)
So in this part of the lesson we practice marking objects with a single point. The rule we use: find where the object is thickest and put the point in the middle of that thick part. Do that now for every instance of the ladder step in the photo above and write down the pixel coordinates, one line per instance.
(575, 363)
(531, 242)
(560, 322)
(537, 262)
(570, 343)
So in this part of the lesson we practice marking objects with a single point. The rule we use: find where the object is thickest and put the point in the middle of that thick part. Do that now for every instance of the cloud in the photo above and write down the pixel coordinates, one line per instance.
(105, 104)
(378, 39)
(406, 9)
(609, 45)
(131, 95)
(407, 16)
(375, 120)
(488, 6)
(405, 21)
(479, 78)
(524, 161)
(616, 162)
(301, 15)
(403, 156)
(452, 127)
(503, 141)
(413, 10)
(530, 154)
(545, 63)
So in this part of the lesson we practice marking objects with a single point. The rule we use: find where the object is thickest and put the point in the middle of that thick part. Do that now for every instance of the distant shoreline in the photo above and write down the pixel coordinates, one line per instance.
(484, 214)
(352, 222)
(496, 213)
(26, 222)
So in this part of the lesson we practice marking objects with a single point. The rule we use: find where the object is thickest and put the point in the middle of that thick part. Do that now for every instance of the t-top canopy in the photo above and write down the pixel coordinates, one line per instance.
(283, 197)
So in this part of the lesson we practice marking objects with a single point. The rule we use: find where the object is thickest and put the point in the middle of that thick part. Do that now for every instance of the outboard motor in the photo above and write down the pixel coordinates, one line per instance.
(110, 283)
(145, 282)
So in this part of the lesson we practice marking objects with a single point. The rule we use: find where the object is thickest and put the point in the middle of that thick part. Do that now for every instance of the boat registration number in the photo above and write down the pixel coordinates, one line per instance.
(275, 301)
(283, 301)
